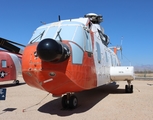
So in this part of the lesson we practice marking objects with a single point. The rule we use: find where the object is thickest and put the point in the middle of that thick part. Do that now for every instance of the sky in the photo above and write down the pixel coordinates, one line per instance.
(129, 21)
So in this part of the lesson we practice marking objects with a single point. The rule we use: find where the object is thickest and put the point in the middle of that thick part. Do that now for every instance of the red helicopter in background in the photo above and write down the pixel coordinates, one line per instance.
(10, 61)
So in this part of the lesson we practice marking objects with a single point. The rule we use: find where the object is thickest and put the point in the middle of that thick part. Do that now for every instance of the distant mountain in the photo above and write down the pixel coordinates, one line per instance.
(143, 68)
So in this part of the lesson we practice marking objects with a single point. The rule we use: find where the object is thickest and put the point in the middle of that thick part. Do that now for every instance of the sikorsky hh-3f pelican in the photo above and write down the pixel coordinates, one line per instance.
(72, 55)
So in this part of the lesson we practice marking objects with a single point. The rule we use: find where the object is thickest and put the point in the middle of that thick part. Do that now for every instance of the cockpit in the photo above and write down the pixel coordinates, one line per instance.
(66, 30)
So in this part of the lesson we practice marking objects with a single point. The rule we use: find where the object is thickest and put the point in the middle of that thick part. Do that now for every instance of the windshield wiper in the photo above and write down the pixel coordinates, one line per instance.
(58, 35)
(39, 36)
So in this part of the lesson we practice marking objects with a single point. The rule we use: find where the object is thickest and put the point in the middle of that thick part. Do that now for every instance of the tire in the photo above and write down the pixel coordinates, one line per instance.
(64, 101)
(126, 88)
(16, 82)
(73, 102)
(131, 88)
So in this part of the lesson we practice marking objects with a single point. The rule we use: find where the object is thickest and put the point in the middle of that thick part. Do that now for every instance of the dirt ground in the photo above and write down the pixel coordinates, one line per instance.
(108, 102)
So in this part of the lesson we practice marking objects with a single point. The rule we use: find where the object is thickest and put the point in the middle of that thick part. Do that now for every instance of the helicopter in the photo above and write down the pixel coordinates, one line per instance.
(10, 61)
(70, 56)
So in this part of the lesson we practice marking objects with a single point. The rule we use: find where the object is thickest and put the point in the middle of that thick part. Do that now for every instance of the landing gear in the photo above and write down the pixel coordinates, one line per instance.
(16, 82)
(69, 101)
(129, 87)
(64, 101)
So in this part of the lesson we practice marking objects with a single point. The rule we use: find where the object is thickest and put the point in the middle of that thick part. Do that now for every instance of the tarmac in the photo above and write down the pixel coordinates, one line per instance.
(108, 102)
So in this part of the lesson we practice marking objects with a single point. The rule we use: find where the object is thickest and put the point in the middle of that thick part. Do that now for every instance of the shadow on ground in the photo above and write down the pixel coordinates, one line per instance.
(8, 110)
(87, 99)
(10, 85)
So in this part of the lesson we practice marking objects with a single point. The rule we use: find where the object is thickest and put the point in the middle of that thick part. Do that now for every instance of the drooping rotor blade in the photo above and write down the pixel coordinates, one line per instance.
(121, 47)
(121, 52)
(8, 45)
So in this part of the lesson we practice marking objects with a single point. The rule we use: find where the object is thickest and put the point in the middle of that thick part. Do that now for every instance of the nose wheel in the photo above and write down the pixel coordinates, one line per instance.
(16, 82)
(69, 101)
(129, 87)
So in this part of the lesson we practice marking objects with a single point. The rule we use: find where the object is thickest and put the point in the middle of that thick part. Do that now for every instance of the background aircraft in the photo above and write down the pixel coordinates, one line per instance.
(10, 61)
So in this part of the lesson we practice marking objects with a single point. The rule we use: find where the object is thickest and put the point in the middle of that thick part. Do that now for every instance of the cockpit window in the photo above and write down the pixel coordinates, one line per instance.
(37, 38)
(71, 31)
(37, 35)
(88, 44)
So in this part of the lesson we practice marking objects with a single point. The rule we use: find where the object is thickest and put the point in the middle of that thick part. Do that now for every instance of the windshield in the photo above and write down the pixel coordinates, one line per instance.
(72, 31)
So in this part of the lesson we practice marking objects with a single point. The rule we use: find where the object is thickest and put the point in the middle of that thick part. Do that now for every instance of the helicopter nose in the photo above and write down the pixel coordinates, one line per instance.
(52, 51)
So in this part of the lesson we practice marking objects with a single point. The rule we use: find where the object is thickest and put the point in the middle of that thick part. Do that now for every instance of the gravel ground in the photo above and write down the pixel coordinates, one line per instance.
(108, 102)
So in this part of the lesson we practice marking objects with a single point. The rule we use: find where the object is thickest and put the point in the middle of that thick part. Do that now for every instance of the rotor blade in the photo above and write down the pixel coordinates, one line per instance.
(121, 54)
(6, 44)
(12, 42)
(121, 47)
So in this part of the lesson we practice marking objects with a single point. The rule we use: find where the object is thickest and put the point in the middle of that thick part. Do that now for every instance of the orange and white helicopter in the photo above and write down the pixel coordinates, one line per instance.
(70, 56)
(10, 61)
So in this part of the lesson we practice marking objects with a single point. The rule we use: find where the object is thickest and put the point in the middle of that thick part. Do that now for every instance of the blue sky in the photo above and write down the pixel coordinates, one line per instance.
(130, 19)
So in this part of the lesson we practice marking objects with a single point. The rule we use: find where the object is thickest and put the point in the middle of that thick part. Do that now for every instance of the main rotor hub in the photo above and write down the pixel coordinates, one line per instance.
(94, 18)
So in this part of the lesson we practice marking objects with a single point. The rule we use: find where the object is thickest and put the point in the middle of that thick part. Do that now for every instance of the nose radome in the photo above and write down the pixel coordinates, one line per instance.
(52, 51)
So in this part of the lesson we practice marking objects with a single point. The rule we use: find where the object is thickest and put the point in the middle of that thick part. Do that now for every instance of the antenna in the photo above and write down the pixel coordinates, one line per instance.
(42, 22)
(59, 18)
